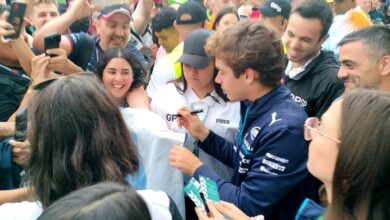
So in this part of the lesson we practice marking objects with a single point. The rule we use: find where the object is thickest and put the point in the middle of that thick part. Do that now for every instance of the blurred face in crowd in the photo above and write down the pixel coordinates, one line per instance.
(342, 6)
(218, 4)
(359, 68)
(244, 11)
(324, 148)
(278, 22)
(375, 4)
(200, 80)
(302, 39)
(226, 21)
(365, 5)
(43, 13)
(168, 38)
(117, 78)
(113, 32)
(233, 87)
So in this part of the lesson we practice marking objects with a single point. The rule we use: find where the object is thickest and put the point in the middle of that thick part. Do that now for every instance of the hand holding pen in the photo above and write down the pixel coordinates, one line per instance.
(191, 122)
(194, 112)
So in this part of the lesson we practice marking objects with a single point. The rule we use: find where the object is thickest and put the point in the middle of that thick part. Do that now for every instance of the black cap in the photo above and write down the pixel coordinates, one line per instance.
(273, 8)
(193, 53)
(191, 12)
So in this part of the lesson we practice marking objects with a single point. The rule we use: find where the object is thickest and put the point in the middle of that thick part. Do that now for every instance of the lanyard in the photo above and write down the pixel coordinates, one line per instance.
(242, 125)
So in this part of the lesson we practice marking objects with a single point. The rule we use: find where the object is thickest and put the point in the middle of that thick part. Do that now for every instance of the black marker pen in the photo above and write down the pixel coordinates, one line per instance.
(194, 112)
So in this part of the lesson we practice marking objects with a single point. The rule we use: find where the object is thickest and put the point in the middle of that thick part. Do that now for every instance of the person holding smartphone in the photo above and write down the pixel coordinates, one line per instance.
(112, 26)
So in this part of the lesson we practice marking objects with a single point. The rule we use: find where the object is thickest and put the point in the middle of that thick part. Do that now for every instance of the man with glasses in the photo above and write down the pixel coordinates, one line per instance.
(365, 58)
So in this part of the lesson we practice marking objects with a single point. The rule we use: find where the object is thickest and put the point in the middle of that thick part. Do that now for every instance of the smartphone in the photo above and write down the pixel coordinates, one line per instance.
(21, 125)
(15, 18)
(106, 3)
(52, 41)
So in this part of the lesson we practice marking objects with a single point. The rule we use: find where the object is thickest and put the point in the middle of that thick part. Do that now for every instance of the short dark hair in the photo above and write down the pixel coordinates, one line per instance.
(250, 44)
(139, 72)
(164, 19)
(317, 9)
(374, 38)
(361, 181)
(78, 138)
(224, 11)
(107, 200)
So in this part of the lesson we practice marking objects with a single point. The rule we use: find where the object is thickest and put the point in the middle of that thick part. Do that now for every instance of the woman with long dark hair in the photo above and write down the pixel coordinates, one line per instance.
(124, 77)
(79, 138)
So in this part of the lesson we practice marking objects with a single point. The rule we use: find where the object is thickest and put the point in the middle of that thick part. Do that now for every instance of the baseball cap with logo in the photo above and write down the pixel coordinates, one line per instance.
(191, 12)
(273, 8)
(109, 11)
(193, 53)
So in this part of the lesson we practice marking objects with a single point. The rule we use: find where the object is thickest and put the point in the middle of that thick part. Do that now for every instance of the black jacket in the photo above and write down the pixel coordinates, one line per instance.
(13, 85)
(317, 86)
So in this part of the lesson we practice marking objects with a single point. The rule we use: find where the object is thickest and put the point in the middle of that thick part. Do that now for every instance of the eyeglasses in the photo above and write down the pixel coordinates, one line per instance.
(311, 125)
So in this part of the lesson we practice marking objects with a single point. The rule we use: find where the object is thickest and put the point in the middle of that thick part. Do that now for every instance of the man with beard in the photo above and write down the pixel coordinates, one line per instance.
(311, 73)
(112, 26)
(365, 58)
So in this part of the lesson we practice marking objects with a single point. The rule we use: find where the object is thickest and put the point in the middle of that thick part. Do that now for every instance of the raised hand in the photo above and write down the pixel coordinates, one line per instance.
(21, 151)
(5, 27)
(184, 160)
(83, 8)
(221, 209)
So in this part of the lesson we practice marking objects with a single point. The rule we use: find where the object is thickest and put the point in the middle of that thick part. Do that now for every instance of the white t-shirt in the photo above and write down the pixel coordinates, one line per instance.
(163, 72)
(154, 140)
(219, 116)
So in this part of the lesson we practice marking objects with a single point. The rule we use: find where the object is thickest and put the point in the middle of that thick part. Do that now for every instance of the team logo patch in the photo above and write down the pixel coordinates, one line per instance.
(274, 119)
(254, 132)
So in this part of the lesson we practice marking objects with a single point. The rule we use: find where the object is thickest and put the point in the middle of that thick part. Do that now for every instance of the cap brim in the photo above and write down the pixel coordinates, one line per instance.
(195, 61)
(108, 16)
(268, 12)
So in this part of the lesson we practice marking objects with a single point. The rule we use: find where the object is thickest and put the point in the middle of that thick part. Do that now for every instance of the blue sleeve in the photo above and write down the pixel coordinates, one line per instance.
(278, 164)
(138, 180)
(219, 148)
(76, 40)
(83, 46)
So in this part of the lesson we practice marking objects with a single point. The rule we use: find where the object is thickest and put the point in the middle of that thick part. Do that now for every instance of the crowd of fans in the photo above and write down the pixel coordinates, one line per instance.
(284, 104)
